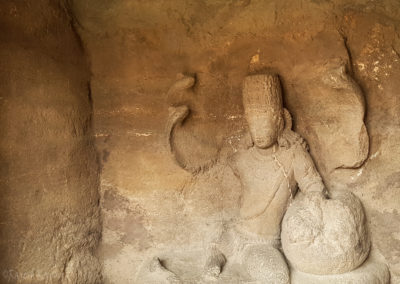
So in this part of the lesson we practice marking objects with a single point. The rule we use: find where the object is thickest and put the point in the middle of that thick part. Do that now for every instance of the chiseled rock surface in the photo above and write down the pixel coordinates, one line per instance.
(136, 48)
(325, 236)
(49, 176)
(371, 272)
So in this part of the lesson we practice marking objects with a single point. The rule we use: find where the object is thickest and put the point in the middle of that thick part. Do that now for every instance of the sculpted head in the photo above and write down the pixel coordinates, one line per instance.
(262, 101)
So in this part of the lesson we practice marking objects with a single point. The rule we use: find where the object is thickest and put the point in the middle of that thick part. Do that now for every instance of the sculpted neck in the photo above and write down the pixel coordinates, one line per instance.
(267, 151)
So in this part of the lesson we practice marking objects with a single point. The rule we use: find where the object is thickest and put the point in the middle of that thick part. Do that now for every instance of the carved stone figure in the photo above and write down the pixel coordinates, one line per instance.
(270, 173)
(271, 170)
(326, 237)
(319, 235)
(327, 241)
(154, 272)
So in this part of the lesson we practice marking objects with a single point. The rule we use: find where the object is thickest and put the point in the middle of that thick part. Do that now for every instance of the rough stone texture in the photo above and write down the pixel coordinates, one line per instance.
(187, 266)
(48, 172)
(338, 129)
(319, 236)
(273, 267)
(339, 63)
(371, 272)
(136, 49)
(325, 236)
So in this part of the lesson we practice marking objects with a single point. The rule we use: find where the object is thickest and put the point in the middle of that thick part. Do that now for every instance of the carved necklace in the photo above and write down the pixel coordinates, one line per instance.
(286, 177)
(282, 168)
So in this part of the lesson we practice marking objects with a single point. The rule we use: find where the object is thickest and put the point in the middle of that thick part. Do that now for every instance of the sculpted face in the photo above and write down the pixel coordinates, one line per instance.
(262, 101)
(264, 126)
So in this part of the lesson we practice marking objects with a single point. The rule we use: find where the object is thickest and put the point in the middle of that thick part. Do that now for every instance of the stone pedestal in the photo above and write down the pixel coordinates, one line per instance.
(371, 272)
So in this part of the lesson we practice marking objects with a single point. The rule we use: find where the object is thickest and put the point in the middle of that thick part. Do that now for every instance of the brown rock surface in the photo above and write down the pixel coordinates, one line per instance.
(49, 220)
(48, 173)
(137, 48)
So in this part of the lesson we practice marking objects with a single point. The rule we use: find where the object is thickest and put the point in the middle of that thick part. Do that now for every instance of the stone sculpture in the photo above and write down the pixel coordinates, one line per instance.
(271, 170)
(325, 237)
(187, 148)
(327, 241)
(319, 235)
(269, 173)
(331, 109)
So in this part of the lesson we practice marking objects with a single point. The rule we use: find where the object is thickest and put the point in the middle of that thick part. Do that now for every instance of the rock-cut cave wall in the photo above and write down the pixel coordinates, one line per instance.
(84, 75)
(49, 217)
(152, 207)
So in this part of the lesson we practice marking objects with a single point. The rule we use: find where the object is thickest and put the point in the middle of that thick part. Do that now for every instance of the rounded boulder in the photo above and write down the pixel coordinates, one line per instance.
(325, 236)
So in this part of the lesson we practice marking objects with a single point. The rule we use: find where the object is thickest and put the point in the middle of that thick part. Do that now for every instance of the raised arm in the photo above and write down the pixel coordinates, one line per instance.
(177, 113)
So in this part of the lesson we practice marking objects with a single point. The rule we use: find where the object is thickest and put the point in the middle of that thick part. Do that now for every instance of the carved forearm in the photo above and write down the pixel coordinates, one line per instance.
(175, 117)
(177, 112)
(306, 174)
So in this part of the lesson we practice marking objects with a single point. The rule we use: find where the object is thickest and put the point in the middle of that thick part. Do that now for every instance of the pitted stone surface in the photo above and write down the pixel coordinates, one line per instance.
(325, 236)
(370, 272)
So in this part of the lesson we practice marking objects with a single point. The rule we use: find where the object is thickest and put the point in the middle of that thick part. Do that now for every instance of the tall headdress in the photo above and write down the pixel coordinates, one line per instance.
(263, 92)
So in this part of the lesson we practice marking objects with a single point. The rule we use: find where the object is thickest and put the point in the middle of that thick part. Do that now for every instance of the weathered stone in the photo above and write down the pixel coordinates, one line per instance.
(269, 173)
(340, 123)
(338, 63)
(265, 264)
(325, 236)
(370, 272)
(49, 176)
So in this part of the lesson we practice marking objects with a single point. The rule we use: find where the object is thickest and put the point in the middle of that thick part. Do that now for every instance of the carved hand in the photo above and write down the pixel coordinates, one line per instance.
(178, 112)
(316, 195)
(183, 83)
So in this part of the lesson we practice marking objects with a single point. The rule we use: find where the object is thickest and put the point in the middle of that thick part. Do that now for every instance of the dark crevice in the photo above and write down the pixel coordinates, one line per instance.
(348, 51)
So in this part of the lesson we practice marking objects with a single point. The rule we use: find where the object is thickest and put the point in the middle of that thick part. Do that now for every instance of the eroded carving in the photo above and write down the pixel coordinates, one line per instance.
(214, 264)
(271, 170)
(320, 235)
(191, 152)
(332, 110)
(325, 236)
(270, 173)
(154, 272)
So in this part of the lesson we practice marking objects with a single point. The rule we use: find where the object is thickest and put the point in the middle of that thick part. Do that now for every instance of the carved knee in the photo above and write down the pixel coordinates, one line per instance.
(266, 264)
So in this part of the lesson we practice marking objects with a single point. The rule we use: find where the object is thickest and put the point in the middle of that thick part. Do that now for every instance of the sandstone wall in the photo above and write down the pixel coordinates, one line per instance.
(150, 205)
(49, 217)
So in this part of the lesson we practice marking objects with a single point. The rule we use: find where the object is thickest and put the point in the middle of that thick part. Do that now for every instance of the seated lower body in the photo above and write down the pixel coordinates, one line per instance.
(249, 257)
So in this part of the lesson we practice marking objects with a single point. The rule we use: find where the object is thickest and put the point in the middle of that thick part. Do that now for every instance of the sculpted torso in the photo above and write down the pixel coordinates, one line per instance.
(270, 172)
(278, 161)
(269, 179)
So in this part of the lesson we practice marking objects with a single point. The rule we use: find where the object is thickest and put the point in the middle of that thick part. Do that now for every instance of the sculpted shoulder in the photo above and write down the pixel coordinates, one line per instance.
(237, 158)
(292, 140)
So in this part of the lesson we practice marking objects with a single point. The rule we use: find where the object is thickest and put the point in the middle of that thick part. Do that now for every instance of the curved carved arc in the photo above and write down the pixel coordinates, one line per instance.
(183, 83)
(330, 108)
(177, 114)
(338, 78)
(288, 119)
